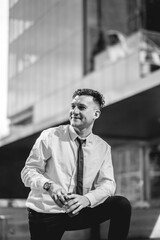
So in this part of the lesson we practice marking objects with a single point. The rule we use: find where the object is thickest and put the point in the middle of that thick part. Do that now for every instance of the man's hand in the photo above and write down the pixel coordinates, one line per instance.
(76, 203)
(58, 194)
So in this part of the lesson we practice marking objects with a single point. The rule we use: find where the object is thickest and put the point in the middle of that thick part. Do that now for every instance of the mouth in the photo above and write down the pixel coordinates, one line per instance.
(75, 118)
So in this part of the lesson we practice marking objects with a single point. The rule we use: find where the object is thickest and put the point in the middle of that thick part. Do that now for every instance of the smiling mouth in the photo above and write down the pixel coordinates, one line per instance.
(75, 118)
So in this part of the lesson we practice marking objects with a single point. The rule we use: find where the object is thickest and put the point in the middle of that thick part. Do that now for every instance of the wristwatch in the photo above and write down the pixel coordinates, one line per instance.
(47, 186)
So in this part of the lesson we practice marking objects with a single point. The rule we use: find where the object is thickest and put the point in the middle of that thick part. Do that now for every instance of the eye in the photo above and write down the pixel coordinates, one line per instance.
(82, 107)
(72, 106)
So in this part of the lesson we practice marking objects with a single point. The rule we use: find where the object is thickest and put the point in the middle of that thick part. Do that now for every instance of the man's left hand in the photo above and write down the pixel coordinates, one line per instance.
(76, 203)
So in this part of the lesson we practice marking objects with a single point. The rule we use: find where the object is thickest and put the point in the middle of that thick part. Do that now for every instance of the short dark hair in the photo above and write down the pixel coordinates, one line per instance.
(97, 96)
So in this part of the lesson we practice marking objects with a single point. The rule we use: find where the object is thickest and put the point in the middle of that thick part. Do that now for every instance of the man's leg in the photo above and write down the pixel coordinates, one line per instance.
(117, 209)
(45, 226)
(120, 218)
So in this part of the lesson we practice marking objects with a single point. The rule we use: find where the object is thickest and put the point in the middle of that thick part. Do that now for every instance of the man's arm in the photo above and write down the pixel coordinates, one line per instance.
(104, 184)
(33, 172)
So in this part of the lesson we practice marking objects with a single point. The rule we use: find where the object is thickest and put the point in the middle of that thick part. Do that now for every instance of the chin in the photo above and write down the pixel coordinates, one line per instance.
(75, 125)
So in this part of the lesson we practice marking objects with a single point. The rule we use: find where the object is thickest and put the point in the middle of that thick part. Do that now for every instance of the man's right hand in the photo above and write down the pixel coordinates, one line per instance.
(58, 194)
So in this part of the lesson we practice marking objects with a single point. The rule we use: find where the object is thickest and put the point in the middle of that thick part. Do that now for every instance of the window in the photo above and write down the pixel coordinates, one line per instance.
(134, 15)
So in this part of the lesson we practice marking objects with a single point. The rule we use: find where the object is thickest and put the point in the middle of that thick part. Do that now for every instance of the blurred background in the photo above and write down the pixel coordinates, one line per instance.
(57, 46)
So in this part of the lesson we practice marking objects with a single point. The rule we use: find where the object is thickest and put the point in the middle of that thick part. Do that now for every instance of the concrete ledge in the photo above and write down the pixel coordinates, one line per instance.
(18, 203)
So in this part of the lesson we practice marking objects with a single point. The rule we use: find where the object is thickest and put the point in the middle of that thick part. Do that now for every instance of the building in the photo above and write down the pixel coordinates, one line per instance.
(58, 46)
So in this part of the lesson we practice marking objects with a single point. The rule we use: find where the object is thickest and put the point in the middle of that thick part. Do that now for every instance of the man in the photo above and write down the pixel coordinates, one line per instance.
(66, 195)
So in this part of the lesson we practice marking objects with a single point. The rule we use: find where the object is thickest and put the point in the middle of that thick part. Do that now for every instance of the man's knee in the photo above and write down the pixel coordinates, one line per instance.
(123, 204)
(120, 204)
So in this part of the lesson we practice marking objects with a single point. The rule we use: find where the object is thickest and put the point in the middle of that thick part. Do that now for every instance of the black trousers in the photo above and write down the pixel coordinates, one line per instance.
(48, 226)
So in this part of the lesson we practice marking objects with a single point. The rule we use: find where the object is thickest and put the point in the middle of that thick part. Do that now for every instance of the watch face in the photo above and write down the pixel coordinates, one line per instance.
(47, 186)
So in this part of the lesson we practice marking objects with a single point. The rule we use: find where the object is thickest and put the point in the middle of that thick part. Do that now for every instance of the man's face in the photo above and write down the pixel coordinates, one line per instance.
(83, 112)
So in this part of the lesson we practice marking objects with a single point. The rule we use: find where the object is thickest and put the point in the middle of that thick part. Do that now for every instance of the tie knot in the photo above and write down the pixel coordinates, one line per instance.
(80, 141)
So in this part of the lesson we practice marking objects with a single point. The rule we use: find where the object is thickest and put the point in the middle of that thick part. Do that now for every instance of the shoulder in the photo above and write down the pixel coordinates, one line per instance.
(102, 142)
(54, 132)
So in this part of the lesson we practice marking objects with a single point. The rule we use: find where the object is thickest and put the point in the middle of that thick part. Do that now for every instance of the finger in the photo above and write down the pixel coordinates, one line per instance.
(57, 201)
(60, 196)
(62, 199)
(70, 196)
(72, 207)
(72, 202)
(66, 197)
(79, 208)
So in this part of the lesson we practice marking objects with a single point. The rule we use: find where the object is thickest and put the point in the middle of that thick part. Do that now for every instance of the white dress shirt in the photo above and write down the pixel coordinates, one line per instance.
(53, 158)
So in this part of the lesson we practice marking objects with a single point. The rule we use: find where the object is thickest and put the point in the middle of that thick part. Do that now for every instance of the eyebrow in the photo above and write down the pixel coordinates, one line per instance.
(79, 104)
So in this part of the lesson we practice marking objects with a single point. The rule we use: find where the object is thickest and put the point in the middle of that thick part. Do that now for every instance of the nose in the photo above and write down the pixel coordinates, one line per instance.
(75, 110)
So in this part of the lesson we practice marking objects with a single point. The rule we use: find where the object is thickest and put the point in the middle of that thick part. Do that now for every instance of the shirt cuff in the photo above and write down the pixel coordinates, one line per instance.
(91, 199)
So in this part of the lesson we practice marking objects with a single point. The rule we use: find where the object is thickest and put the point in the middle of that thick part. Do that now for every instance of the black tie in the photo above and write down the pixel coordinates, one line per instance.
(79, 187)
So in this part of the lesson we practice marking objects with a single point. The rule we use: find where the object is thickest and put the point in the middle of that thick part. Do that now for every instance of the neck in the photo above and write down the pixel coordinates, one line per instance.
(83, 133)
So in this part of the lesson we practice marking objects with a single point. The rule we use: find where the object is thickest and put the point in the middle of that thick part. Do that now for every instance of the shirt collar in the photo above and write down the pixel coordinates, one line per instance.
(74, 135)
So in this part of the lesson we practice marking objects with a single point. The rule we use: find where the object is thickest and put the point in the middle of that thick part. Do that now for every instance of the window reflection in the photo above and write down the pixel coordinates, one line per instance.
(17, 27)
(12, 3)
(18, 64)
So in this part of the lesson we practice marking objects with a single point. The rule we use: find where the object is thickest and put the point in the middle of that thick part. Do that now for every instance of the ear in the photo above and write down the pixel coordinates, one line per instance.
(97, 114)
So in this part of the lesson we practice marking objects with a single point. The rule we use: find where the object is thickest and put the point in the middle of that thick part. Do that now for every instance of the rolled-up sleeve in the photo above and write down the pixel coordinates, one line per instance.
(32, 173)
(104, 184)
